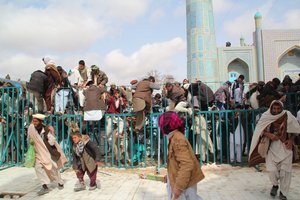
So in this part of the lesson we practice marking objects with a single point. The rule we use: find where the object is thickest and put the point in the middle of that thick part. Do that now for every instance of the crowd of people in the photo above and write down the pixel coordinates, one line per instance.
(129, 117)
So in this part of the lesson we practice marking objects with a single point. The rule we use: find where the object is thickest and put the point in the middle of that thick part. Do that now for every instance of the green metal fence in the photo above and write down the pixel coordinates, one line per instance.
(224, 137)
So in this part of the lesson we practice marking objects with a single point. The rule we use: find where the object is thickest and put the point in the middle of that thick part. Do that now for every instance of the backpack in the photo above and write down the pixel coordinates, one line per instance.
(38, 82)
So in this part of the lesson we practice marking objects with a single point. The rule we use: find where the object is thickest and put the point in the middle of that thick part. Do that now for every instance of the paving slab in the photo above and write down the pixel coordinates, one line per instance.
(222, 182)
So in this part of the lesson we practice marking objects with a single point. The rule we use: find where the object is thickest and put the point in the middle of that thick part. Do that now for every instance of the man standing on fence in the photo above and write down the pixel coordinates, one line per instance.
(49, 157)
(142, 100)
(142, 103)
(177, 96)
(54, 81)
(279, 127)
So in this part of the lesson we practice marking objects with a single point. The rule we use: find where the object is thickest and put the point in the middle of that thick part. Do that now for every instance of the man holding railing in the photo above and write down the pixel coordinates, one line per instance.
(177, 95)
(142, 102)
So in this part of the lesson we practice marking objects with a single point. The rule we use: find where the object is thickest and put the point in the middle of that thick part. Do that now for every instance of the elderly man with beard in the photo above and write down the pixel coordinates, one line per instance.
(49, 157)
(279, 127)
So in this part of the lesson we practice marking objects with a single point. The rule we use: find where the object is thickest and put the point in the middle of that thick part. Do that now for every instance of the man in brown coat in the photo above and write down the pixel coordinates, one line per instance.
(94, 106)
(177, 95)
(54, 81)
(142, 100)
(184, 171)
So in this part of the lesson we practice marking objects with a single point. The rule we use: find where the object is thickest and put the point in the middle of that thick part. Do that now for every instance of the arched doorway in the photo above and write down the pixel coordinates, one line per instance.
(236, 68)
(289, 63)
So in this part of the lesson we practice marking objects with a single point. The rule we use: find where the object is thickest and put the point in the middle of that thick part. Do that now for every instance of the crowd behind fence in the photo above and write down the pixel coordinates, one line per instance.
(217, 136)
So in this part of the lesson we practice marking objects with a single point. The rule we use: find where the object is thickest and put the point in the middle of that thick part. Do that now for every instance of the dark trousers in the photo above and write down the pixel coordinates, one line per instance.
(92, 175)
(48, 97)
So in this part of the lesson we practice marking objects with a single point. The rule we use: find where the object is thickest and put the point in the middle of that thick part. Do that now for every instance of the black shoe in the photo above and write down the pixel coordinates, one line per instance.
(60, 186)
(274, 190)
(282, 197)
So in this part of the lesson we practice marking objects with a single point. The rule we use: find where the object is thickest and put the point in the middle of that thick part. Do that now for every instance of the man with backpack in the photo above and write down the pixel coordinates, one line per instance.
(37, 86)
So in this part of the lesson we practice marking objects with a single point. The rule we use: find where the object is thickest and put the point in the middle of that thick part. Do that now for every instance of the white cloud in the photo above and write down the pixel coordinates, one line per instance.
(244, 25)
(291, 18)
(180, 10)
(61, 26)
(157, 15)
(33, 30)
(120, 68)
(20, 66)
(156, 56)
(120, 9)
(287, 22)
(222, 6)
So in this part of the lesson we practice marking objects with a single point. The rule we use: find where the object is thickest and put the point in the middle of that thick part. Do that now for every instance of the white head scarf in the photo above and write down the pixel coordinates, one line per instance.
(267, 118)
(48, 61)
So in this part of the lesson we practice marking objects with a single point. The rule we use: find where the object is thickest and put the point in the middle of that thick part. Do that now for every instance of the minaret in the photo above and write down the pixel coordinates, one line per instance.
(258, 44)
(201, 41)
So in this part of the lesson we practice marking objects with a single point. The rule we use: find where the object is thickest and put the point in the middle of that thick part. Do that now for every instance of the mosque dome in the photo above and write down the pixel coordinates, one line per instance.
(257, 15)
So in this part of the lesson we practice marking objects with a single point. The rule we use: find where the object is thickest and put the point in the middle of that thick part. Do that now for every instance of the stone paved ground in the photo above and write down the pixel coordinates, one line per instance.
(221, 183)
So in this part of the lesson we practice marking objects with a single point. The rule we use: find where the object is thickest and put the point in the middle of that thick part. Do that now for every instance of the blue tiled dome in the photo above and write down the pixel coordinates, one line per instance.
(257, 15)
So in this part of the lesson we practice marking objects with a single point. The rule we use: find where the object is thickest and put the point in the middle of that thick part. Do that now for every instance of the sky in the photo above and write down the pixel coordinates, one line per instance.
(126, 39)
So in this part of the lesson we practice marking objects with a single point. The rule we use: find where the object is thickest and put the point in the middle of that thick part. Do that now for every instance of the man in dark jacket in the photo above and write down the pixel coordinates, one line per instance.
(37, 86)
(202, 95)
(86, 158)
(270, 93)
(237, 90)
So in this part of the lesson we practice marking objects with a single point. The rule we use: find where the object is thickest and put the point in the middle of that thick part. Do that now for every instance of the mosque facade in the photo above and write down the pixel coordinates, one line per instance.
(274, 53)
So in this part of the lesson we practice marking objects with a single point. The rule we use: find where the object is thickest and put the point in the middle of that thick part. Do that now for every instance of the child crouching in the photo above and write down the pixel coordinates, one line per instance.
(86, 158)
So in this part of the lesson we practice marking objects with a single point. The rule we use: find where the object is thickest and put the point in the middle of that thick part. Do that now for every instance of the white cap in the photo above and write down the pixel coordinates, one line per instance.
(39, 116)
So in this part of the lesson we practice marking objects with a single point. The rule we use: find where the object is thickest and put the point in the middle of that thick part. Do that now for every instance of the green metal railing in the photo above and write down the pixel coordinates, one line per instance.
(120, 147)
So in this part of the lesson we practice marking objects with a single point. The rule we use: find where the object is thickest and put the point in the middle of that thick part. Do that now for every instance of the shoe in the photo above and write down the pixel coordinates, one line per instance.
(43, 191)
(60, 186)
(79, 187)
(274, 189)
(282, 197)
(93, 187)
(135, 163)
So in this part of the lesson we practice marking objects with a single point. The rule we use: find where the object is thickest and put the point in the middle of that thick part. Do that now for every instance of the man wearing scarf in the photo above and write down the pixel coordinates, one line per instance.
(86, 158)
(280, 127)
(49, 157)
(184, 171)
(54, 81)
